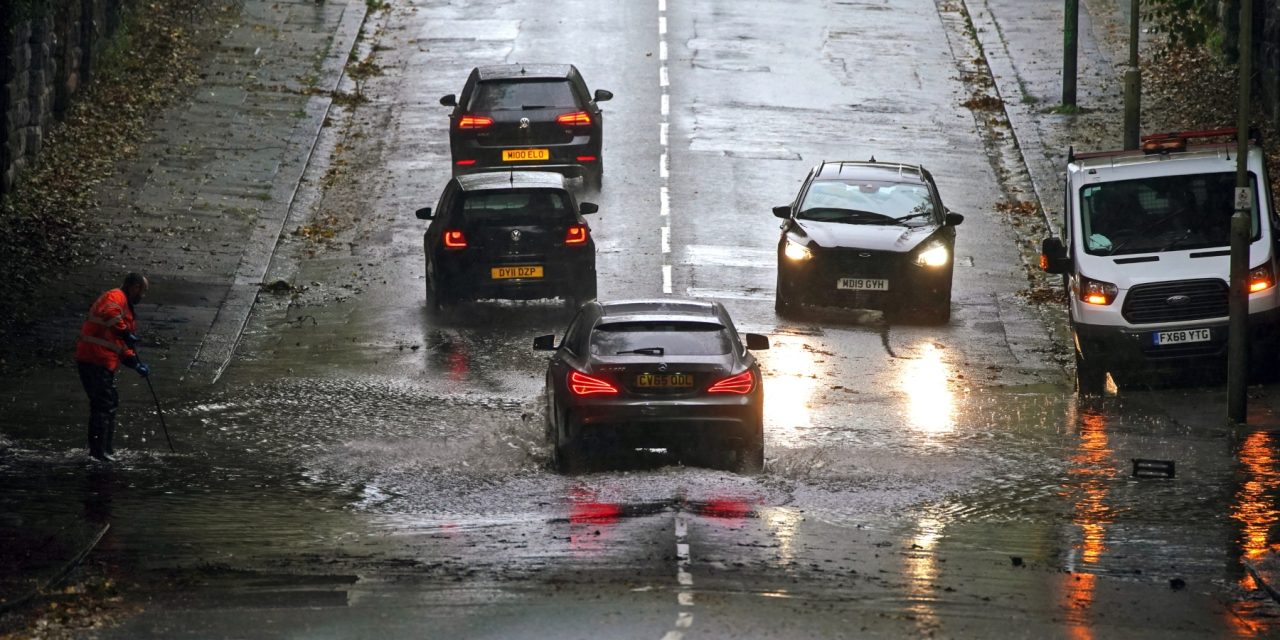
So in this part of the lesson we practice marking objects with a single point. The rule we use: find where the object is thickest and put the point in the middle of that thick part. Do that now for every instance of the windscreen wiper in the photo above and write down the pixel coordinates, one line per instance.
(914, 215)
(645, 351)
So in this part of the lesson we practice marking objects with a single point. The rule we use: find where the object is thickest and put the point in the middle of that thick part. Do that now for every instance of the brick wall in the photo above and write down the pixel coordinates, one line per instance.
(46, 58)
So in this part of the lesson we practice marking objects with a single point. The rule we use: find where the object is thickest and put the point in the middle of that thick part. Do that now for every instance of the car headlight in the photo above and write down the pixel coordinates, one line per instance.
(935, 255)
(796, 251)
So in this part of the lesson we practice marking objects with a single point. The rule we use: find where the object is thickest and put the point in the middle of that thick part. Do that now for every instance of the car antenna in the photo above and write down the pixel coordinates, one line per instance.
(873, 158)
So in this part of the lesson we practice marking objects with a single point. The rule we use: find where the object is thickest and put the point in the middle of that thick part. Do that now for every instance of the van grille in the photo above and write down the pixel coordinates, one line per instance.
(1150, 303)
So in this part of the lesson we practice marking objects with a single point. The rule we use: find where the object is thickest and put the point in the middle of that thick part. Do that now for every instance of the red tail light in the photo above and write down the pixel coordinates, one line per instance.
(582, 384)
(474, 122)
(576, 234)
(575, 119)
(587, 158)
(740, 384)
(454, 239)
(465, 163)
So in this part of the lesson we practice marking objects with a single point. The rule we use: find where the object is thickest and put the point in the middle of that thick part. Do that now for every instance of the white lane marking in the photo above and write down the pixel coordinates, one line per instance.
(673, 635)
(662, 77)
(666, 106)
(662, 5)
(729, 294)
(682, 552)
(664, 135)
(685, 599)
(684, 578)
(684, 620)
(664, 166)
(662, 51)
(666, 239)
(666, 278)
(664, 201)
(730, 256)
(662, 25)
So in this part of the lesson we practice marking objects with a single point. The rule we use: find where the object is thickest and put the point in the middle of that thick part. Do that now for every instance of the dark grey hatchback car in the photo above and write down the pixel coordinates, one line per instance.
(516, 235)
(527, 116)
(669, 372)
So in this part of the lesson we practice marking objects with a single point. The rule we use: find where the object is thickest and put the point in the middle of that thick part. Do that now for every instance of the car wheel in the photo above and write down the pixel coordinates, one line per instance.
(437, 302)
(593, 177)
(1091, 377)
(939, 312)
(567, 451)
(783, 298)
(582, 294)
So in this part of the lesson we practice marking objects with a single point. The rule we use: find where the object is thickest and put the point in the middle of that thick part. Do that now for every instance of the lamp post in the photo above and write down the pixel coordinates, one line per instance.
(1132, 84)
(1070, 38)
(1241, 226)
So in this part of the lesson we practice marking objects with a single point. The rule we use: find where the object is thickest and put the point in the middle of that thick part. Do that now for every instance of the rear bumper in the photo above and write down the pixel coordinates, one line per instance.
(670, 423)
(461, 280)
(564, 158)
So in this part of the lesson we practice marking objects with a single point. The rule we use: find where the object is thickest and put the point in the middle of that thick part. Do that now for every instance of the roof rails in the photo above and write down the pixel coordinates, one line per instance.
(1165, 143)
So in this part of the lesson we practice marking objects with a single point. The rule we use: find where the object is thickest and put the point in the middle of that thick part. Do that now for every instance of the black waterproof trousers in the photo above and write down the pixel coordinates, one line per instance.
(100, 384)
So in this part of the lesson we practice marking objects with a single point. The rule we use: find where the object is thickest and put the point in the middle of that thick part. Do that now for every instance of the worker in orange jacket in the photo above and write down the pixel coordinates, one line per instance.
(107, 340)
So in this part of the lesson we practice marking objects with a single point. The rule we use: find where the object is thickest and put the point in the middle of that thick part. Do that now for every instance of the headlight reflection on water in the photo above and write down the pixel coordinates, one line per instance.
(930, 400)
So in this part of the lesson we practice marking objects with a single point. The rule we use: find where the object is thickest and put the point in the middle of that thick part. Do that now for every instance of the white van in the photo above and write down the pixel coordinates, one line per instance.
(1145, 255)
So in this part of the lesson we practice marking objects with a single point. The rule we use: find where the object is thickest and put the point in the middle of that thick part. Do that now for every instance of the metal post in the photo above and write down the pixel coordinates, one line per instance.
(1132, 84)
(1241, 225)
(1070, 35)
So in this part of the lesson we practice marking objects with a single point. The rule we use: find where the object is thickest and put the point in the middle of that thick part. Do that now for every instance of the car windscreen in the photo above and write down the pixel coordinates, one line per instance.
(523, 95)
(672, 338)
(1160, 213)
(519, 207)
(867, 202)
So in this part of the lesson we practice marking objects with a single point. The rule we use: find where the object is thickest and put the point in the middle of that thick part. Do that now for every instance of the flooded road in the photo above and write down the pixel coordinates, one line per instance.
(363, 468)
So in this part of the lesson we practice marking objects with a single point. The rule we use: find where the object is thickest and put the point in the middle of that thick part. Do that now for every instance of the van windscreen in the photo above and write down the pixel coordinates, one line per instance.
(1160, 213)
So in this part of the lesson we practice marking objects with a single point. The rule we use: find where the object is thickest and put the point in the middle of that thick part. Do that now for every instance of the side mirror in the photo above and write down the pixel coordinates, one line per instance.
(588, 207)
(423, 213)
(953, 219)
(544, 343)
(782, 212)
(450, 100)
(603, 96)
(1053, 256)
(756, 342)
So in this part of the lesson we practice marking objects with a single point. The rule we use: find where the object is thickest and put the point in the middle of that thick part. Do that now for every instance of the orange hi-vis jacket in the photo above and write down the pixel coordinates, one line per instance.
(102, 334)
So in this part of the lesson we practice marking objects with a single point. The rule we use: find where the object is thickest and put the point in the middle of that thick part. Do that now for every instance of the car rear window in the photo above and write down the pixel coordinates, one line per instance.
(523, 95)
(674, 338)
(517, 207)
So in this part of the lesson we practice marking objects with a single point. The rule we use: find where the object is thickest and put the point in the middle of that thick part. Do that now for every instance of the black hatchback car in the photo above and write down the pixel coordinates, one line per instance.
(668, 373)
(515, 235)
(526, 115)
(867, 235)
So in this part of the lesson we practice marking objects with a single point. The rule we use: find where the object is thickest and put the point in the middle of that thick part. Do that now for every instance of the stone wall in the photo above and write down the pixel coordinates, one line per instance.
(47, 55)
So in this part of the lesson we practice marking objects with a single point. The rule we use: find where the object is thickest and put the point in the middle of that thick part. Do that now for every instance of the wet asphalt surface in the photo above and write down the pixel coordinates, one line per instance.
(363, 469)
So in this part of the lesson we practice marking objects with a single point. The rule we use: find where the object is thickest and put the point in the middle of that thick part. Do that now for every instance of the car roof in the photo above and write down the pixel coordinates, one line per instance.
(870, 170)
(673, 309)
(494, 180)
(524, 71)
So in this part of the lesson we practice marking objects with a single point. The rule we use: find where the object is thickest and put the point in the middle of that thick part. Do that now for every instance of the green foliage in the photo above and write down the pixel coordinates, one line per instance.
(1191, 23)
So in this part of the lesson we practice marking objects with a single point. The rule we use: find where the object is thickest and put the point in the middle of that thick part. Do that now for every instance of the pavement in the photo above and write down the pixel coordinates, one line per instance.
(205, 202)
(200, 209)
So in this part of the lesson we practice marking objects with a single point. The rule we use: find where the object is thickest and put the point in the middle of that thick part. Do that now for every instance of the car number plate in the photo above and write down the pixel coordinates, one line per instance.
(521, 155)
(506, 273)
(664, 381)
(1180, 336)
(863, 284)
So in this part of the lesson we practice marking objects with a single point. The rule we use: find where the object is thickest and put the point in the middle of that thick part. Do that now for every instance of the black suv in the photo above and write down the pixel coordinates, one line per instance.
(868, 235)
(517, 115)
(516, 235)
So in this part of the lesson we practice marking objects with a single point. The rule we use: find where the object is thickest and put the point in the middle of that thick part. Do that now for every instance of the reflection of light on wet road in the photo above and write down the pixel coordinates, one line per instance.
(931, 405)
(1092, 468)
(789, 387)
(590, 521)
(783, 522)
(922, 571)
(1254, 506)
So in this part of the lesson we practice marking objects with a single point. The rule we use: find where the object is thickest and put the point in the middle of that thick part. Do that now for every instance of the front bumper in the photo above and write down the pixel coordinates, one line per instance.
(910, 286)
(1131, 348)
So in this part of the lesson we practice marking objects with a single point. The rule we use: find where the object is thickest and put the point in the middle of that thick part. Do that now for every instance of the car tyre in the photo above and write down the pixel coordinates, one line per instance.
(582, 294)
(593, 177)
(783, 299)
(1091, 377)
(939, 312)
(567, 450)
(437, 302)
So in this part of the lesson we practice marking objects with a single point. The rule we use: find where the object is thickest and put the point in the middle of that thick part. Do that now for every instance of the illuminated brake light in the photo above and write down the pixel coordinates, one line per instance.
(474, 122)
(454, 239)
(741, 384)
(575, 119)
(584, 385)
(576, 234)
